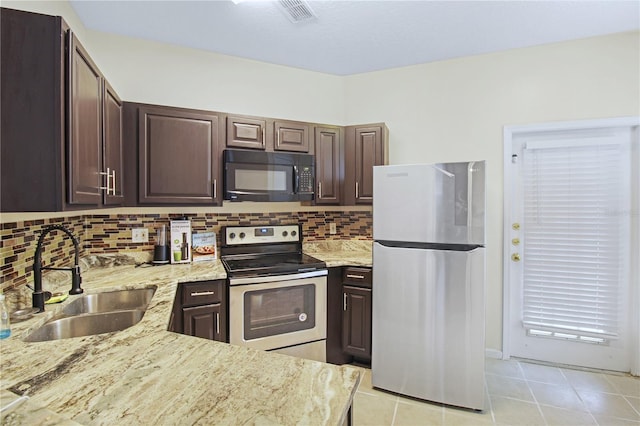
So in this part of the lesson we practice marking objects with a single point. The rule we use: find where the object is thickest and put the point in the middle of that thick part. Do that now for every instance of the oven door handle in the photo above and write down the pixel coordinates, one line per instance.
(272, 278)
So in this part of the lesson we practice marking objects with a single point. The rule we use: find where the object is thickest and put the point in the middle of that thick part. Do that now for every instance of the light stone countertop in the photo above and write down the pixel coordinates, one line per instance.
(341, 252)
(148, 375)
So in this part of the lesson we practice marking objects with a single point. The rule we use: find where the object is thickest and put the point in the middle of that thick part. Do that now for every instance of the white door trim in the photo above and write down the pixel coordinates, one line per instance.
(509, 133)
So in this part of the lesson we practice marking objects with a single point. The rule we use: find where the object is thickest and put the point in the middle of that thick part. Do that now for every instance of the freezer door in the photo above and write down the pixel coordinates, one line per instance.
(428, 324)
(432, 203)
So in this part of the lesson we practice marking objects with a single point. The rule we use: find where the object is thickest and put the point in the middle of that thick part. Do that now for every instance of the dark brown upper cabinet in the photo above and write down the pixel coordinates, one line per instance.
(85, 128)
(52, 117)
(366, 146)
(113, 162)
(246, 132)
(328, 153)
(178, 158)
(291, 136)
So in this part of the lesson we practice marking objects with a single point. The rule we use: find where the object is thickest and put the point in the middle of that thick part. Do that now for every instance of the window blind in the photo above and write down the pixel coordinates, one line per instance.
(573, 239)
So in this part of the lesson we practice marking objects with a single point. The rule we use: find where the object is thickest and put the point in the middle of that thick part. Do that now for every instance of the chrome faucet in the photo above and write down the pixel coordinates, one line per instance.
(39, 296)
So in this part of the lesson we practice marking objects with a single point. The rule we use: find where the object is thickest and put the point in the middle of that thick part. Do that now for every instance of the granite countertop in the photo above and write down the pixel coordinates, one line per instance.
(341, 252)
(148, 375)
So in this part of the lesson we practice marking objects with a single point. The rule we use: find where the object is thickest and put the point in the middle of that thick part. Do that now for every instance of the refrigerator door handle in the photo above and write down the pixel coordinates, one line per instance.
(470, 196)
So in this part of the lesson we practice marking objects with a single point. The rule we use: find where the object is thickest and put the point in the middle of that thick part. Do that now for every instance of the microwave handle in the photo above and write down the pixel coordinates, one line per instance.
(296, 180)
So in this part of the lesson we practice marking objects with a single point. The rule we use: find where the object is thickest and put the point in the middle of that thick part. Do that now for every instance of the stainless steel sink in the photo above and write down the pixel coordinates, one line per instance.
(110, 301)
(96, 314)
(85, 325)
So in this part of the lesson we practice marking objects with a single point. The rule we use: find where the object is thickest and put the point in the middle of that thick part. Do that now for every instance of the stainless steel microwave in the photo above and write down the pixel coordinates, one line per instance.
(268, 176)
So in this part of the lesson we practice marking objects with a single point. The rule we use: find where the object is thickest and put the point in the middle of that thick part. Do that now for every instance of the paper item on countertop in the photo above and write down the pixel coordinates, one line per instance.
(204, 246)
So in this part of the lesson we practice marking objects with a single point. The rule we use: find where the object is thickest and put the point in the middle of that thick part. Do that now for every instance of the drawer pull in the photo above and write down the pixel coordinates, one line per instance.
(359, 277)
(202, 293)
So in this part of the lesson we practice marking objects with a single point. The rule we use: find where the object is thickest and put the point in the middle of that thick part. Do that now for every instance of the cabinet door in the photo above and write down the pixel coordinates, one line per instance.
(85, 127)
(291, 136)
(356, 322)
(246, 132)
(178, 156)
(328, 147)
(32, 102)
(112, 151)
(368, 141)
(366, 147)
(335, 301)
(203, 321)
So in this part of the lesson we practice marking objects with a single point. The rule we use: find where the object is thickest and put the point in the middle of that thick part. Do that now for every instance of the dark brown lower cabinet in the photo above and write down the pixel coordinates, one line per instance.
(349, 301)
(200, 310)
(356, 325)
(335, 355)
(203, 321)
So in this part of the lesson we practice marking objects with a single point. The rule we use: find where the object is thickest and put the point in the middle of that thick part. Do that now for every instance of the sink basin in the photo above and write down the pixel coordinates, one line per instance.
(110, 301)
(85, 325)
(96, 314)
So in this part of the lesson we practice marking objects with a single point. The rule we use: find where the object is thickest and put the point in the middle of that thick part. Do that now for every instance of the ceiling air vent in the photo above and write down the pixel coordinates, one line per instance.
(296, 10)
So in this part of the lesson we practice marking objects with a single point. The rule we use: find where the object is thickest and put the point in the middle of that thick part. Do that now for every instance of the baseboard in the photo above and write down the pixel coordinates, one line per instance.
(493, 353)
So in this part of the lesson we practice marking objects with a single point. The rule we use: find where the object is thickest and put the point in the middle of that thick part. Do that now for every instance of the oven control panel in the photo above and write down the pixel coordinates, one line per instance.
(236, 235)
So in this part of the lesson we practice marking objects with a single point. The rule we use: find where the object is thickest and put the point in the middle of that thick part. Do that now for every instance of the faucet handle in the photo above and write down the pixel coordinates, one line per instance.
(76, 280)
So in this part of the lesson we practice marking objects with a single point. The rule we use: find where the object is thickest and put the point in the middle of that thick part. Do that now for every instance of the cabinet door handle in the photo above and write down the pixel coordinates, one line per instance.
(344, 303)
(113, 186)
(358, 277)
(217, 323)
(263, 136)
(108, 174)
(202, 293)
(215, 189)
(319, 189)
(357, 190)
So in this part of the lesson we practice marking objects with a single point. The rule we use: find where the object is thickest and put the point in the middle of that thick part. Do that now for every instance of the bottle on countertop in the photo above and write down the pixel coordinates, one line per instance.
(184, 247)
(5, 328)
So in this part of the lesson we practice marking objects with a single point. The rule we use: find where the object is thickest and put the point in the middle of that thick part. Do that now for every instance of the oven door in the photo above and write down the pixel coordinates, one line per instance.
(278, 312)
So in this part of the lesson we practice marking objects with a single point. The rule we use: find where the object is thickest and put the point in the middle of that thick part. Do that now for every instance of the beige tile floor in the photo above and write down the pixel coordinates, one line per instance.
(517, 393)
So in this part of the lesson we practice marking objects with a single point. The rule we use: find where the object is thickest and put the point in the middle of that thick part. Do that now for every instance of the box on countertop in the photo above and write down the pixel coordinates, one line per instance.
(180, 241)
(204, 247)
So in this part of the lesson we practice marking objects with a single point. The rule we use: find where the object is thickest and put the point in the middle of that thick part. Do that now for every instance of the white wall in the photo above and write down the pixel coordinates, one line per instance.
(145, 71)
(455, 110)
(443, 111)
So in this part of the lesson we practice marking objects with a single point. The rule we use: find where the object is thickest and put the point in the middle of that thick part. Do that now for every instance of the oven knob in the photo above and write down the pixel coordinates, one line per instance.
(293, 233)
(242, 235)
(285, 233)
(232, 235)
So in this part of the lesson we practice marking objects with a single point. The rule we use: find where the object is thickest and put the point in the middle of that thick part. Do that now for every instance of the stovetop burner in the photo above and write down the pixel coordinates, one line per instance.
(249, 251)
(271, 264)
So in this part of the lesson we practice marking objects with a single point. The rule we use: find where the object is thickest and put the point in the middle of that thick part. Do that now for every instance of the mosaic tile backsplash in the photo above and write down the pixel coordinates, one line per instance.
(111, 233)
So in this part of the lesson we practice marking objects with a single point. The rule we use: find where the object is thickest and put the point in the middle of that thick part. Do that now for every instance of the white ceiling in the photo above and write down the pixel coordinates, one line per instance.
(351, 37)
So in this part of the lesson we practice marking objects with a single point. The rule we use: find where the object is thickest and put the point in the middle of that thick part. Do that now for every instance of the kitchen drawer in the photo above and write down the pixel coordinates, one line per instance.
(361, 277)
(202, 293)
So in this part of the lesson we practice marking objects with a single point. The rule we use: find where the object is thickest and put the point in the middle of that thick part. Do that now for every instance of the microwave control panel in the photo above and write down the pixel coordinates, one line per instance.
(306, 183)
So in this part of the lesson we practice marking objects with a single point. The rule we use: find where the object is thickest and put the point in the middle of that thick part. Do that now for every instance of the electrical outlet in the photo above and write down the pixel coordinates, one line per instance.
(332, 228)
(139, 235)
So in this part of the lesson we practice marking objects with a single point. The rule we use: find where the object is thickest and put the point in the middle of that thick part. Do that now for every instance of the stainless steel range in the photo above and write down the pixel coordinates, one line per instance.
(277, 294)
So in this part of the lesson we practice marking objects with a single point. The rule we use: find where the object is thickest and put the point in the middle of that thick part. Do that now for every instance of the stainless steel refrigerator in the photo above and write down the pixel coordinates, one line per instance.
(429, 281)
